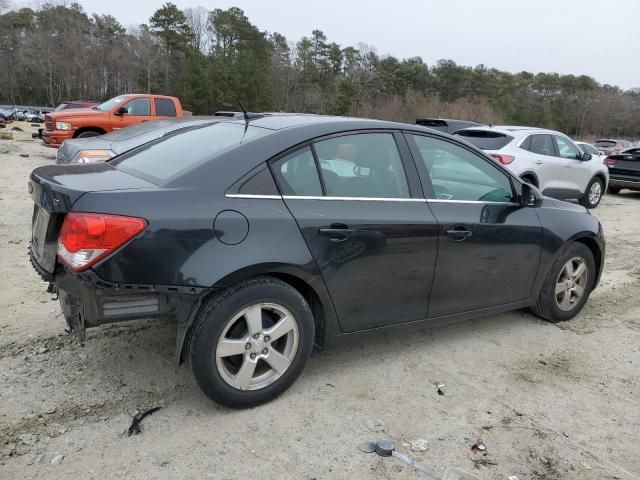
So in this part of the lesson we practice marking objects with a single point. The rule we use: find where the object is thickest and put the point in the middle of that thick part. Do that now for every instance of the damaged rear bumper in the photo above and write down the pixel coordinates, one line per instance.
(89, 301)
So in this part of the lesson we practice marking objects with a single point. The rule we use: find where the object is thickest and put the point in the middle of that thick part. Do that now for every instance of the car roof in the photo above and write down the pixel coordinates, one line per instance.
(514, 130)
(283, 121)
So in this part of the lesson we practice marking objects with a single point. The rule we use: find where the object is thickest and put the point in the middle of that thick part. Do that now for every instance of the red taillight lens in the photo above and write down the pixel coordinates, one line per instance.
(85, 238)
(503, 159)
(609, 161)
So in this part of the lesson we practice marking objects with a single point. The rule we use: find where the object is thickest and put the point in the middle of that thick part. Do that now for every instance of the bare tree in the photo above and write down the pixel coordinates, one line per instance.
(197, 19)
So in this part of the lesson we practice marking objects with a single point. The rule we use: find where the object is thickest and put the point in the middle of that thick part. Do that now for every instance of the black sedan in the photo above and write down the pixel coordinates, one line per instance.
(624, 170)
(266, 237)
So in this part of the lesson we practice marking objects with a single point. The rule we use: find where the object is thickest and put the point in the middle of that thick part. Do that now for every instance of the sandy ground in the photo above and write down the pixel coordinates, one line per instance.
(549, 401)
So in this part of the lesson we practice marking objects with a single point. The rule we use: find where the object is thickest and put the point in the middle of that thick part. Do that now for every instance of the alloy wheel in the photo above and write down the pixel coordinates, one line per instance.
(257, 346)
(571, 283)
(595, 192)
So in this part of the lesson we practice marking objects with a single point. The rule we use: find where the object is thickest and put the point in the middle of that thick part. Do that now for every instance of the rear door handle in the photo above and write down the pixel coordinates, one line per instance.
(458, 234)
(539, 162)
(338, 232)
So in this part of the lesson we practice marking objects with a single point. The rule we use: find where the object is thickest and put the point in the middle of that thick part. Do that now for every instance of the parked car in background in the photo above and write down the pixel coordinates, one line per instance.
(544, 158)
(588, 148)
(104, 147)
(445, 125)
(610, 146)
(256, 240)
(119, 112)
(73, 104)
(624, 170)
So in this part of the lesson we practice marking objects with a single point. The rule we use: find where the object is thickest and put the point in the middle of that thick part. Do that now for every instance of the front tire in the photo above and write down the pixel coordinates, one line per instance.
(568, 284)
(89, 133)
(593, 194)
(250, 343)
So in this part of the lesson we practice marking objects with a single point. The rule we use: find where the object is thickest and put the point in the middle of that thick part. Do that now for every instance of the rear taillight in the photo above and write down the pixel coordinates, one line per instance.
(85, 238)
(609, 161)
(503, 159)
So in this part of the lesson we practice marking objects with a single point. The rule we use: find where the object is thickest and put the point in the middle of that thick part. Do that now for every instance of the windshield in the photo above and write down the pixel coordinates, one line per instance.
(109, 104)
(171, 155)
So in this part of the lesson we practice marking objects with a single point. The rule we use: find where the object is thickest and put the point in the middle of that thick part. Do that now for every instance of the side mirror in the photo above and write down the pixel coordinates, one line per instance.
(586, 157)
(121, 111)
(530, 196)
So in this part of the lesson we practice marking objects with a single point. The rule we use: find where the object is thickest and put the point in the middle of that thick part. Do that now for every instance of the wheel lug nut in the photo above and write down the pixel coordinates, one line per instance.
(256, 336)
(247, 346)
(267, 338)
(265, 351)
(253, 356)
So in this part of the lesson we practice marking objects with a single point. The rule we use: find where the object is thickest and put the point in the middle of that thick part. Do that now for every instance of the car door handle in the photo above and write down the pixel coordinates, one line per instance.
(539, 162)
(337, 232)
(458, 234)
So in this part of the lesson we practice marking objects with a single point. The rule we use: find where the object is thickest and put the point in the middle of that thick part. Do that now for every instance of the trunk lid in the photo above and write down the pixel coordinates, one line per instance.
(54, 189)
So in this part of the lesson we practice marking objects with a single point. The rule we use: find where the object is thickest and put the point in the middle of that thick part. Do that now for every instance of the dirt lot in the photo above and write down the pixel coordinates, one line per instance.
(549, 401)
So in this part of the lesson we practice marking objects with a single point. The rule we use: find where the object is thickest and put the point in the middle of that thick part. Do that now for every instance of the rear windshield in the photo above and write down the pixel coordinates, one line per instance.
(484, 139)
(605, 143)
(171, 155)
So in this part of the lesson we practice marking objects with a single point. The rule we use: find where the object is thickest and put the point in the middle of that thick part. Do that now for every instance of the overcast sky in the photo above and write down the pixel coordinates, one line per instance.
(592, 37)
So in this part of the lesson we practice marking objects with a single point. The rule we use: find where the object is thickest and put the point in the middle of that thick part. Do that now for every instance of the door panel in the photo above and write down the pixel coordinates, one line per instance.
(138, 110)
(495, 264)
(377, 258)
(576, 173)
(374, 244)
(488, 245)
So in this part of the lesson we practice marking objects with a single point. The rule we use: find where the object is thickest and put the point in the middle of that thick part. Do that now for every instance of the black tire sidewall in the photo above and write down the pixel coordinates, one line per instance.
(554, 313)
(88, 134)
(211, 323)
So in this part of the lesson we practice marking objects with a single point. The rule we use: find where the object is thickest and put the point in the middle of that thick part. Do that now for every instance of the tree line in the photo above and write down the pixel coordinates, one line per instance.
(213, 59)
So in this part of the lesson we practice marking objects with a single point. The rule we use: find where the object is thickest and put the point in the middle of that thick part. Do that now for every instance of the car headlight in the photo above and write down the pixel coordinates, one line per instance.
(92, 156)
(63, 126)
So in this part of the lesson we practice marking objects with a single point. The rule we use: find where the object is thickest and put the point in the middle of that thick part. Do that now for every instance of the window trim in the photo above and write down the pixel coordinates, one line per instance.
(425, 177)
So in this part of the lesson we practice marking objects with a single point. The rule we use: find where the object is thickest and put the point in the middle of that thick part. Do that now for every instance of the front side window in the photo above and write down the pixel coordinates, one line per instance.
(362, 165)
(297, 174)
(459, 174)
(566, 149)
(139, 107)
(542, 145)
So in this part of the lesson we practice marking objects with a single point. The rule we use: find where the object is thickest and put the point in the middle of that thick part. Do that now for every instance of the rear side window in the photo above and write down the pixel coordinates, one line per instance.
(366, 165)
(484, 139)
(167, 157)
(165, 107)
(605, 144)
(297, 174)
(542, 145)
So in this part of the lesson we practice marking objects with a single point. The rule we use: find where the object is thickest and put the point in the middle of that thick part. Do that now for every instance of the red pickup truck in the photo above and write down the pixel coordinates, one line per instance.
(119, 112)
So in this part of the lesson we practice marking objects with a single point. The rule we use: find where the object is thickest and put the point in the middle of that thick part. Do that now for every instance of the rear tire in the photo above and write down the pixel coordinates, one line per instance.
(593, 193)
(613, 190)
(563, 294)
(233, 356)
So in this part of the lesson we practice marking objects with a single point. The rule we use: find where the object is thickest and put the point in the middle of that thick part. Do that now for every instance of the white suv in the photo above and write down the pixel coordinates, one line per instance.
(547, 159)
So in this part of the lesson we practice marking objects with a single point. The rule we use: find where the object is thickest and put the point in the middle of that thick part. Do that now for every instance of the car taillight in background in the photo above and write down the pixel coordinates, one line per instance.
(503, 159)
(609, 161)
(86, 238)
